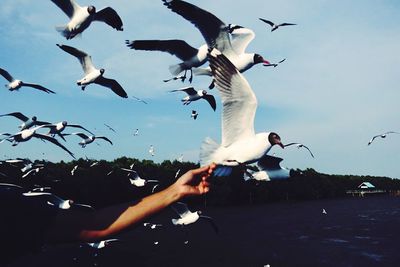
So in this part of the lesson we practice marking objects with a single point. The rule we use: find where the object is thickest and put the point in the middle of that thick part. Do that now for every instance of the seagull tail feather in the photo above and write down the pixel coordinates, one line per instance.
(202, 71)
(207, 149)
(177, 68)
(174, 221)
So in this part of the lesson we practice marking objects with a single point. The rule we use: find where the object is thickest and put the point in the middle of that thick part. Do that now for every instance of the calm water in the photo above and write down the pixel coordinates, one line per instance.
(354, 232)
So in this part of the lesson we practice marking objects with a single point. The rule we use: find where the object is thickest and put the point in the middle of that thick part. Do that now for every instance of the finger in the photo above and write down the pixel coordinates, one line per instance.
(201, 170)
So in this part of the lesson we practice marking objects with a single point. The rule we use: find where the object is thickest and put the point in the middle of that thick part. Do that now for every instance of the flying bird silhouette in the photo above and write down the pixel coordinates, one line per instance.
(27, 123)
(93, 75)
(188, 217)
(193, 95)
(15, 84)
(82, 16)
(89, 139)
(276, 26)
(382, 136)
(299, 145)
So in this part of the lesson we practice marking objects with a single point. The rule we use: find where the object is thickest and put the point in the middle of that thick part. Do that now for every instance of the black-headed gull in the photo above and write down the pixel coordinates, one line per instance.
(89, 139)
(57, 128)
(217, 34)
(15, 84)
(240, 144)
(27, 134)
(187, 217)
(275, 26)
(136, 180)
(103, 243)
(191, 57)
(299, 145)
(194, 114)
(93, 75)
(152, 225)
(82, 16)
(27, 123)
(193, 95)
(57, 201)
(269, 169)
(382, 136)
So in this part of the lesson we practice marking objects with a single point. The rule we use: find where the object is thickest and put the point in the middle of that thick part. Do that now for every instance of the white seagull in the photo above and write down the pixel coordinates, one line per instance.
(136, 180)
(55, 200)
(217, 35)
(27, 123)
(93, 75)
(299, 145)
(193, 95)
(89, 139)
(240, 144)
(194, 114)
(187, 217)
(269, 169)
(275, 26)
(191, 57)
(15, 84)
(382, 136)
(27, 134)
(57, 128)
(102, 243)
(82, 16)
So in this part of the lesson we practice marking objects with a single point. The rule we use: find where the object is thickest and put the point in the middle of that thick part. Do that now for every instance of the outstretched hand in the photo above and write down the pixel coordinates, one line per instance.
(194, 182)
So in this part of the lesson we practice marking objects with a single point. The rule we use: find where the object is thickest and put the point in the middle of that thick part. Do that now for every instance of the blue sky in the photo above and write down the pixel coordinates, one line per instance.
(337, 88)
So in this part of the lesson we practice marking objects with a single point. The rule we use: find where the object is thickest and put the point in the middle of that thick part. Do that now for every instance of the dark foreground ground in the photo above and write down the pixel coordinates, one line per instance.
(354, 232)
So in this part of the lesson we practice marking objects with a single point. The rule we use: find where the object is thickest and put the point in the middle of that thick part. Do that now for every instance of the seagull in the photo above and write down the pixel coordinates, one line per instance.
(55, 200)
(82, 16)
(275, 64)
(15, 84)
(152, 225)
(93, 75)
(193, 95)
(187, 217)
(27, 134)
(136, 132)
(180, 158)
(34, 170)
(324, 211)
(218, 35)
(269, 169)
(177, 173)
(140, 100)
(74, 170)
(102, 243)
(57, 128)
(191, 57)
(298, 145)
(240, 144)
(136, 180)
(110, 128)
(382, 136)
(194, 114)
(276, 26)
(89, 139)
(151, 150)
(27, 123)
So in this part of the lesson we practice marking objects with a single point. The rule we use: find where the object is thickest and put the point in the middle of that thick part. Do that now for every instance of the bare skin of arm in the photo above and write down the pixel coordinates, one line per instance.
(103, 223)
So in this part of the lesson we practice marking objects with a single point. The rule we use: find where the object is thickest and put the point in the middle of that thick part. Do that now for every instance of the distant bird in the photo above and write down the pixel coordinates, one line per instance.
(110, 128)
(187, 217)
(140, 100)
(240, 144)
(41, 189)
(27, 123)
(324, 211)
(194, 114)
(55, 200)
(275, 64)
(15, 84)
(193, 95)
(82, 17)
(152, 225)
(93, 75)
(136, 180)
(180, 158)
(269, 169)
(95, 163)
(58, 128)
(190, 56)
(275, 26)
(89, 139)
(136, 132)
(218, 35)
(177, 173)
(298, 145)
(382, 136)
(103, 243)
(151, 150)
(74, 170)
(33, 170)
(27, 134)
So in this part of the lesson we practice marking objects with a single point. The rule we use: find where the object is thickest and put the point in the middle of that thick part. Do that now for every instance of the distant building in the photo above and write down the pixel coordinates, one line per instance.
(365, 188)
(366, 185)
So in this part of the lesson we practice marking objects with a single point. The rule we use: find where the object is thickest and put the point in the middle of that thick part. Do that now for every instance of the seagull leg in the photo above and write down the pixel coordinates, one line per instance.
(191, 76)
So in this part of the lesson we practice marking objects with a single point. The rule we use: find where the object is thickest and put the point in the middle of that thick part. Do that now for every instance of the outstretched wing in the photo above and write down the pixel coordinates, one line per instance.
(211, 100)
(6, 75)
(84, 58)
(267, 162)
(104, 138)
(180, 208)
(270, 23)
(188, 90)
(79, 126)
(113, 85)
(54, 141)
(67, 6)
(17, 115)
(39, 87)
(239, 102)
(178, 48)
(240, 39)
(109, 16)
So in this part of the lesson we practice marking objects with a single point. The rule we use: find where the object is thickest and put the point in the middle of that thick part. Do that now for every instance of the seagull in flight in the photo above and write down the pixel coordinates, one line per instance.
(136, 132)
(93, 75)
(110, 128)
(151, 150)
(276, 26)
(103, 243)
(191, 57)
(240, 144)
(193, 95)
(89, 139)
(57, 128)
(15, 84)
(57, 201)
(275, 64)
(27, 123)
(299, 145)
(82, 16)
(194, 114)
(136, 180)
(187, 217)
(382, 136)
(140, 100)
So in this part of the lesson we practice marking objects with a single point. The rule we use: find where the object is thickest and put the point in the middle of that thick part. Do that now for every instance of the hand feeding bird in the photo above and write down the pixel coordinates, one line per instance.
(15, 84)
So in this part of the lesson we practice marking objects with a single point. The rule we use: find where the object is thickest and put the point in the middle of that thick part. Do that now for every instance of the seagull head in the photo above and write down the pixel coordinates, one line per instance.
(91, 9)
(275, 139)
(198, 212)
(259, 59)
(34, 118)
(202, 92)
(102, 71)
(64, 123)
